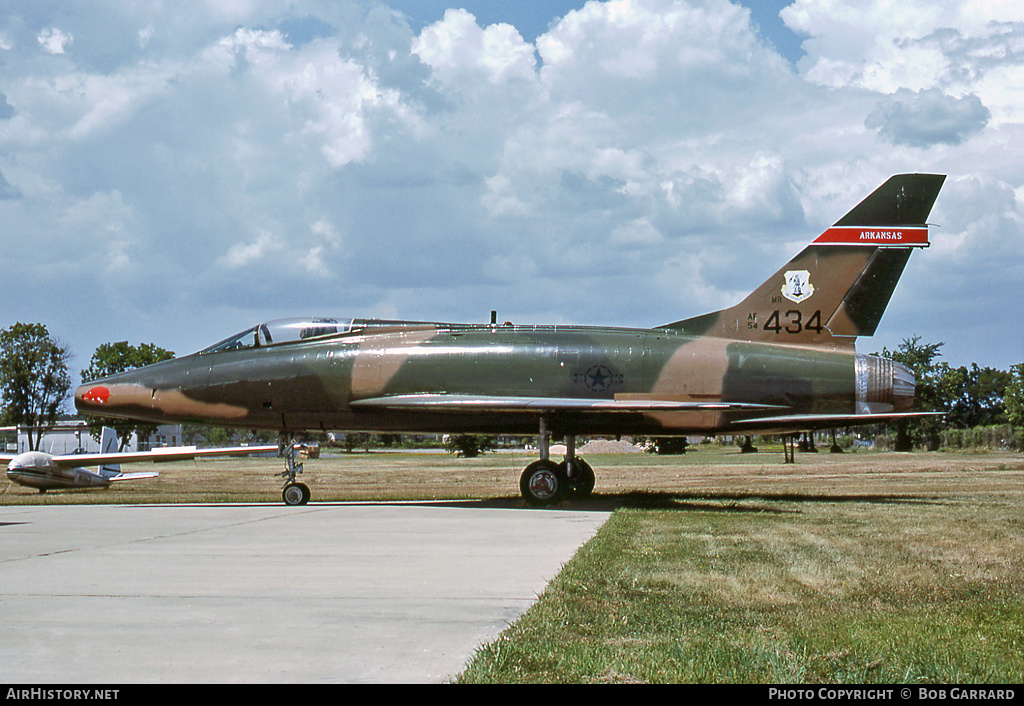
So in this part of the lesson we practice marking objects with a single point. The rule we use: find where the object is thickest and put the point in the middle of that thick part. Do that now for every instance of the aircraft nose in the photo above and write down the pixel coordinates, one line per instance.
(120, 392)
(91, 395)
(15, 469)
(90, 398)
(111, 397)
(163, 393)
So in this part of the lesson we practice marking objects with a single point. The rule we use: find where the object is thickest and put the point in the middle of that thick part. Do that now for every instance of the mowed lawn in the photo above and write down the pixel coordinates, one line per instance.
(900, 572)
(718, 566)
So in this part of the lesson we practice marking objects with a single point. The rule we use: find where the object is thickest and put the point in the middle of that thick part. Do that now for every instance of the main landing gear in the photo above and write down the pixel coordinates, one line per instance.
(293, 493)
(545, 482)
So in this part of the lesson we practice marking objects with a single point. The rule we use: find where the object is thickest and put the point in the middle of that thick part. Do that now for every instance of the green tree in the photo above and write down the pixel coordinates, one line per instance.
(931, 392)
(975, 395)
(667, 445)
(469, 446)
(1014, 397)
(113, 358)
(34, 378)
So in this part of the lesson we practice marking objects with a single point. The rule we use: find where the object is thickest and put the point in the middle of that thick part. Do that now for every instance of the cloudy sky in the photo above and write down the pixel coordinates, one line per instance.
(173, 173)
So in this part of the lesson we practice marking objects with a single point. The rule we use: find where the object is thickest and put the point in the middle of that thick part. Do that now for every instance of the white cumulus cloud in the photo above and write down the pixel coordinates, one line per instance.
(637, 162)
(54, 41)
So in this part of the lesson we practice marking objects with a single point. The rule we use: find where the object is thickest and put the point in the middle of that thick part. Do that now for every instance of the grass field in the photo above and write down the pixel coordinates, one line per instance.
(721, 567)
(852, 569)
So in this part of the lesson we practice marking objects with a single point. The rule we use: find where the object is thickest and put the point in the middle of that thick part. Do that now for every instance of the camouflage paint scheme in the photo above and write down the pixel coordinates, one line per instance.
(782, 359)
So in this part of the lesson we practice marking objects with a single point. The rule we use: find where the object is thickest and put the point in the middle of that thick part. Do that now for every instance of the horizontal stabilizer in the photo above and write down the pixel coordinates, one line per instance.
(811, 422)
(133, 476)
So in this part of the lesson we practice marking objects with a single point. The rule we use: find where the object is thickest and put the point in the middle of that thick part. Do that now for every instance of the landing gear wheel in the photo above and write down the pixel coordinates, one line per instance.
(581, 482)
(295, 494)
(543, 483)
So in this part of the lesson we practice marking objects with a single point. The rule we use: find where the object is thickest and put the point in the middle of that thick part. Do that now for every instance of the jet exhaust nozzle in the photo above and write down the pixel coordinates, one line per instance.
(883, 385)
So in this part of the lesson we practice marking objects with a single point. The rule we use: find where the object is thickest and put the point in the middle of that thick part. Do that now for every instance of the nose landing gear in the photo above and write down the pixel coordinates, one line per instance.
(293, 493)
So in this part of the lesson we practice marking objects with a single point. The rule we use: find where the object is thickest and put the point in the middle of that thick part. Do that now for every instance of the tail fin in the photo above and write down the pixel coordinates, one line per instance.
(841, 283)
(108, 445)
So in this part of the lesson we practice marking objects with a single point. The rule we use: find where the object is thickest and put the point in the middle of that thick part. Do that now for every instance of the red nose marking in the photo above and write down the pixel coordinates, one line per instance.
(100, 395)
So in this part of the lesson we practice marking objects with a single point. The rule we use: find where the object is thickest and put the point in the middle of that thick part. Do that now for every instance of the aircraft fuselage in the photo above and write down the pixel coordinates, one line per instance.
(35, 469)
(320, 384)
(782, 359)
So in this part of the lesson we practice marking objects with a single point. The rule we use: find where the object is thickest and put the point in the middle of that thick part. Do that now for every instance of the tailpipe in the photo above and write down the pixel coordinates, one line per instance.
(883, 385)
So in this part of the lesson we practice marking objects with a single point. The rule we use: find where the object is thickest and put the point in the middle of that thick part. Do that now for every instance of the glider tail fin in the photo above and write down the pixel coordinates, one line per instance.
(837, 288)
(108, 445)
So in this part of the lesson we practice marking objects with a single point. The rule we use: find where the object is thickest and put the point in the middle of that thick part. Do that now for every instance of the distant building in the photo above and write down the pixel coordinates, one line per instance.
(166, 435)
(69, 439)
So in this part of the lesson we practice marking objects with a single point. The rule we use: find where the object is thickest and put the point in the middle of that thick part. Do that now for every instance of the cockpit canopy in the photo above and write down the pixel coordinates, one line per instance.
(283, 331)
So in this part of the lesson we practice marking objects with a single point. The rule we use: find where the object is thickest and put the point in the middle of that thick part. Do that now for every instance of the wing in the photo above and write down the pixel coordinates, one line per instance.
(775, 420)
(470, 403)
(175, 453)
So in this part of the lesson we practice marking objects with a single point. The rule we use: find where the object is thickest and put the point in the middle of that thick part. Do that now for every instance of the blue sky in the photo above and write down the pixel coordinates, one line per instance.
(535, 18)
(531, 19)
(174, 176)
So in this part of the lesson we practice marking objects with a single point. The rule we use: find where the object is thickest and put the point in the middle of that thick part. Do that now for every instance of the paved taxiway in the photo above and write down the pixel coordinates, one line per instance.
(268, 593)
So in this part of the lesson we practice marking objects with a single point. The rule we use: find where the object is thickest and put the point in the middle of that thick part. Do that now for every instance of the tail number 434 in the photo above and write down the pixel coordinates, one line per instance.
(793, 321)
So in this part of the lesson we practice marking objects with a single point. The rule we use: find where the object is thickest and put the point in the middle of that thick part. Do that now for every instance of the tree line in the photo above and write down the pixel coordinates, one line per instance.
(35, 382)
(35, 386)
(971, 397)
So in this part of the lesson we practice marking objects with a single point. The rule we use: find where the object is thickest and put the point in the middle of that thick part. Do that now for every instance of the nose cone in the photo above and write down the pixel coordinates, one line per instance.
(108, 399)
(89, 397)
(163, 393)
(126, 395)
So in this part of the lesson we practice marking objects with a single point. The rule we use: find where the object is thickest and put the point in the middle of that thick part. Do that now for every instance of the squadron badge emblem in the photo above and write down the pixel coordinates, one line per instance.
(797, 287)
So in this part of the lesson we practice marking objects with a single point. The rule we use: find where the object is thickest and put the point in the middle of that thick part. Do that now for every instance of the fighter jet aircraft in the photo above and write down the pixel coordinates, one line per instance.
(783, 359)
(43, 471)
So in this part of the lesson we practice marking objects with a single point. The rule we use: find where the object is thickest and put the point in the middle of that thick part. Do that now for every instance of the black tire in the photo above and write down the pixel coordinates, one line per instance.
(295, 494)
(543, 483)
(581, 483)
